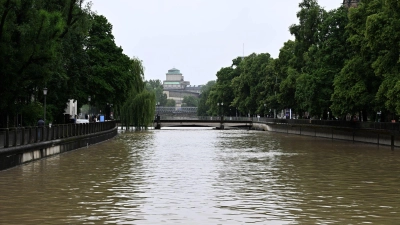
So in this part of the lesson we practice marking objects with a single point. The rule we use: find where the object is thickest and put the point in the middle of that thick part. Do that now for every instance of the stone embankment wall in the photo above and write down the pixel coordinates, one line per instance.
(371, 136)
(17, 155)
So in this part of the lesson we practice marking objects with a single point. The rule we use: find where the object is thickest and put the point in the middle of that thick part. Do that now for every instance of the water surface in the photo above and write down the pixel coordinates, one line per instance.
(199, 176)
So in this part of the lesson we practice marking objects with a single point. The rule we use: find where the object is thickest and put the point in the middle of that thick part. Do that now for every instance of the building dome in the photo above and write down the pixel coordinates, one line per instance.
(174, 71)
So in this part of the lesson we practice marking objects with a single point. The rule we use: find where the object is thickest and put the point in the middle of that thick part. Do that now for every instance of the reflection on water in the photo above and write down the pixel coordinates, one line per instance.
(199, 176)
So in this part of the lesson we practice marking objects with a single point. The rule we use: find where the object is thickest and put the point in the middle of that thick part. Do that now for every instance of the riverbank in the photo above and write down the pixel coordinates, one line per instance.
(24, 153)
(370, 136)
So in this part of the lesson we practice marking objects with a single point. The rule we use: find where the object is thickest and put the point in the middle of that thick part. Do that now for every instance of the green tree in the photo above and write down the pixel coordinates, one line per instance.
(190, 101)
(382, 35)
(323, 61)
(355, 87)
(222, 91)
(248, 86)
(310, 17)
(170, 103)
(203, 107)
(157, 87)
(32, 37)
(285, 80)
(138, 109)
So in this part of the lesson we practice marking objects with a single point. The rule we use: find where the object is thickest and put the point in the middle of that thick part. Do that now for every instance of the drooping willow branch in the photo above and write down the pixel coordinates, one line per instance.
(138, 110)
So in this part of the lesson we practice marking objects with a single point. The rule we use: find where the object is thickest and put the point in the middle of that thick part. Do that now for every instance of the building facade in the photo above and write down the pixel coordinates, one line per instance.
(351, 3)
(174, 80)
(176, 88)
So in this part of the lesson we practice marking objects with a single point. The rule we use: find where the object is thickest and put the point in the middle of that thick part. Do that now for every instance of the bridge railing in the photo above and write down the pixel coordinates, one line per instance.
(18, 136)
(332, 123)
(211, 118)
(175, 110)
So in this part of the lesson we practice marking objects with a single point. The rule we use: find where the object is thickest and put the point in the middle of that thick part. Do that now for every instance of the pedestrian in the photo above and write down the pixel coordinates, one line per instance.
(40, 125)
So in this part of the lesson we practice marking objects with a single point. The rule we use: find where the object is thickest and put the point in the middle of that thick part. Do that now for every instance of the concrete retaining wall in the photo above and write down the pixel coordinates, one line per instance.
(13, 156)
(380, 137)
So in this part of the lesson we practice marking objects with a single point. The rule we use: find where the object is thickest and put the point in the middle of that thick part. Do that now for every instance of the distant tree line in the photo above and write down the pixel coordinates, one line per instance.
(342, 62)
(70, 50)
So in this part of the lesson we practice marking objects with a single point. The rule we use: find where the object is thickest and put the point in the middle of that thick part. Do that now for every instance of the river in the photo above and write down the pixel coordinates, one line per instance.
(205, 176)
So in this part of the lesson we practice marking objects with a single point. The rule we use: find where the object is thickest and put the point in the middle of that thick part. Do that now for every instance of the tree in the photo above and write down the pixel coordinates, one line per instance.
(32, 38)
(156, 86)
(222, 91)
(310, 17)
(285, 78)
(323, 61)
(170, 103)
(382, 35)
(248, 86)
(190, 101)
(356, 85)
(203, 107)
(138, 109)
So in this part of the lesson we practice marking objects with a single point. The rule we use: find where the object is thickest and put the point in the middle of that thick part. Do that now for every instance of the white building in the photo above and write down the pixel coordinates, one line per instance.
(72, 107)
(176, 88)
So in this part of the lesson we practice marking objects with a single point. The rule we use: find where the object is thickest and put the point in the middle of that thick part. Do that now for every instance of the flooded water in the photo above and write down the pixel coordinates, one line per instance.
(196, 176)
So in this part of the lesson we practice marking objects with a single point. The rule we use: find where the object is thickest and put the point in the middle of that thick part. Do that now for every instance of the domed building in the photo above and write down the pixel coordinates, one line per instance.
(176, 88)
(175, 80)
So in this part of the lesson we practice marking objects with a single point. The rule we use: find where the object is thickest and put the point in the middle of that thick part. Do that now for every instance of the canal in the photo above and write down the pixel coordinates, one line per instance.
(202, 176)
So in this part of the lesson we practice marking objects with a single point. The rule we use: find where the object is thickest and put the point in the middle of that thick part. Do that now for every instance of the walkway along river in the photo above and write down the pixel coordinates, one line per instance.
(25, 144)
(205, 176)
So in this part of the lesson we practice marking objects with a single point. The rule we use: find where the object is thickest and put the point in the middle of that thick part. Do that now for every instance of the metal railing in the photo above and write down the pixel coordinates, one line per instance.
(333, 123)
(175, 110)
(211, 118)
(18, 136)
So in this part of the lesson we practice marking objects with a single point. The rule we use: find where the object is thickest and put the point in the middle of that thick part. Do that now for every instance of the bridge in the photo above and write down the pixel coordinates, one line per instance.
(203, 121)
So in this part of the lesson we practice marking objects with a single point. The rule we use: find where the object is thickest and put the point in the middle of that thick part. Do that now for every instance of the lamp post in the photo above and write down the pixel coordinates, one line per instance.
(264, 108)
(158, 105)
(222, 108)
(89, 98)
(45, 94)
(111, 112)
(218, 112)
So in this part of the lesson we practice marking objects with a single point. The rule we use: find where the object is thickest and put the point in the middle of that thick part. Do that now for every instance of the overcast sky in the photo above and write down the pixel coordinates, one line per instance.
(199, 37)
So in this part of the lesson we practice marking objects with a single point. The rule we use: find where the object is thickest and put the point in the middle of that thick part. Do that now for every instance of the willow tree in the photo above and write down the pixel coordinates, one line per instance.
(138, 109)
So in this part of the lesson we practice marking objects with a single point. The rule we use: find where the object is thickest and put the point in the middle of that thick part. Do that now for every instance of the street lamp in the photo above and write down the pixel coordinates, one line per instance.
(264, 108)
(44, 93)
(222, 105)
(111, 112)
(158, 104)
(89, 98)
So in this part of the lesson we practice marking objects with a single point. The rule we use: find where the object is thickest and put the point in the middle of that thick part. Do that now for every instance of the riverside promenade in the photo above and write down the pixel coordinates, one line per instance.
(380, 133)
(20, 145)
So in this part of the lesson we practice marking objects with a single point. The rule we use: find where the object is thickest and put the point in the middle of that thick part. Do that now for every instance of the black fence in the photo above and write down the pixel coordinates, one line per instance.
(18, 136)
(334, 123)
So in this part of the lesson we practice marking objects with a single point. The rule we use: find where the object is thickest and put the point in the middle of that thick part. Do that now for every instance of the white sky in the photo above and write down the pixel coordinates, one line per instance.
(199, 37)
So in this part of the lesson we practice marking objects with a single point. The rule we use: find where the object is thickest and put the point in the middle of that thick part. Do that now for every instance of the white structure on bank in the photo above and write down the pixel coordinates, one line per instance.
(72, 107)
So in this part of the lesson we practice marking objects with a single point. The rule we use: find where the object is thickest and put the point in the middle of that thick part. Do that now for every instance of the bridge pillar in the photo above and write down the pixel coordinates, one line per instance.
(158, 124)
